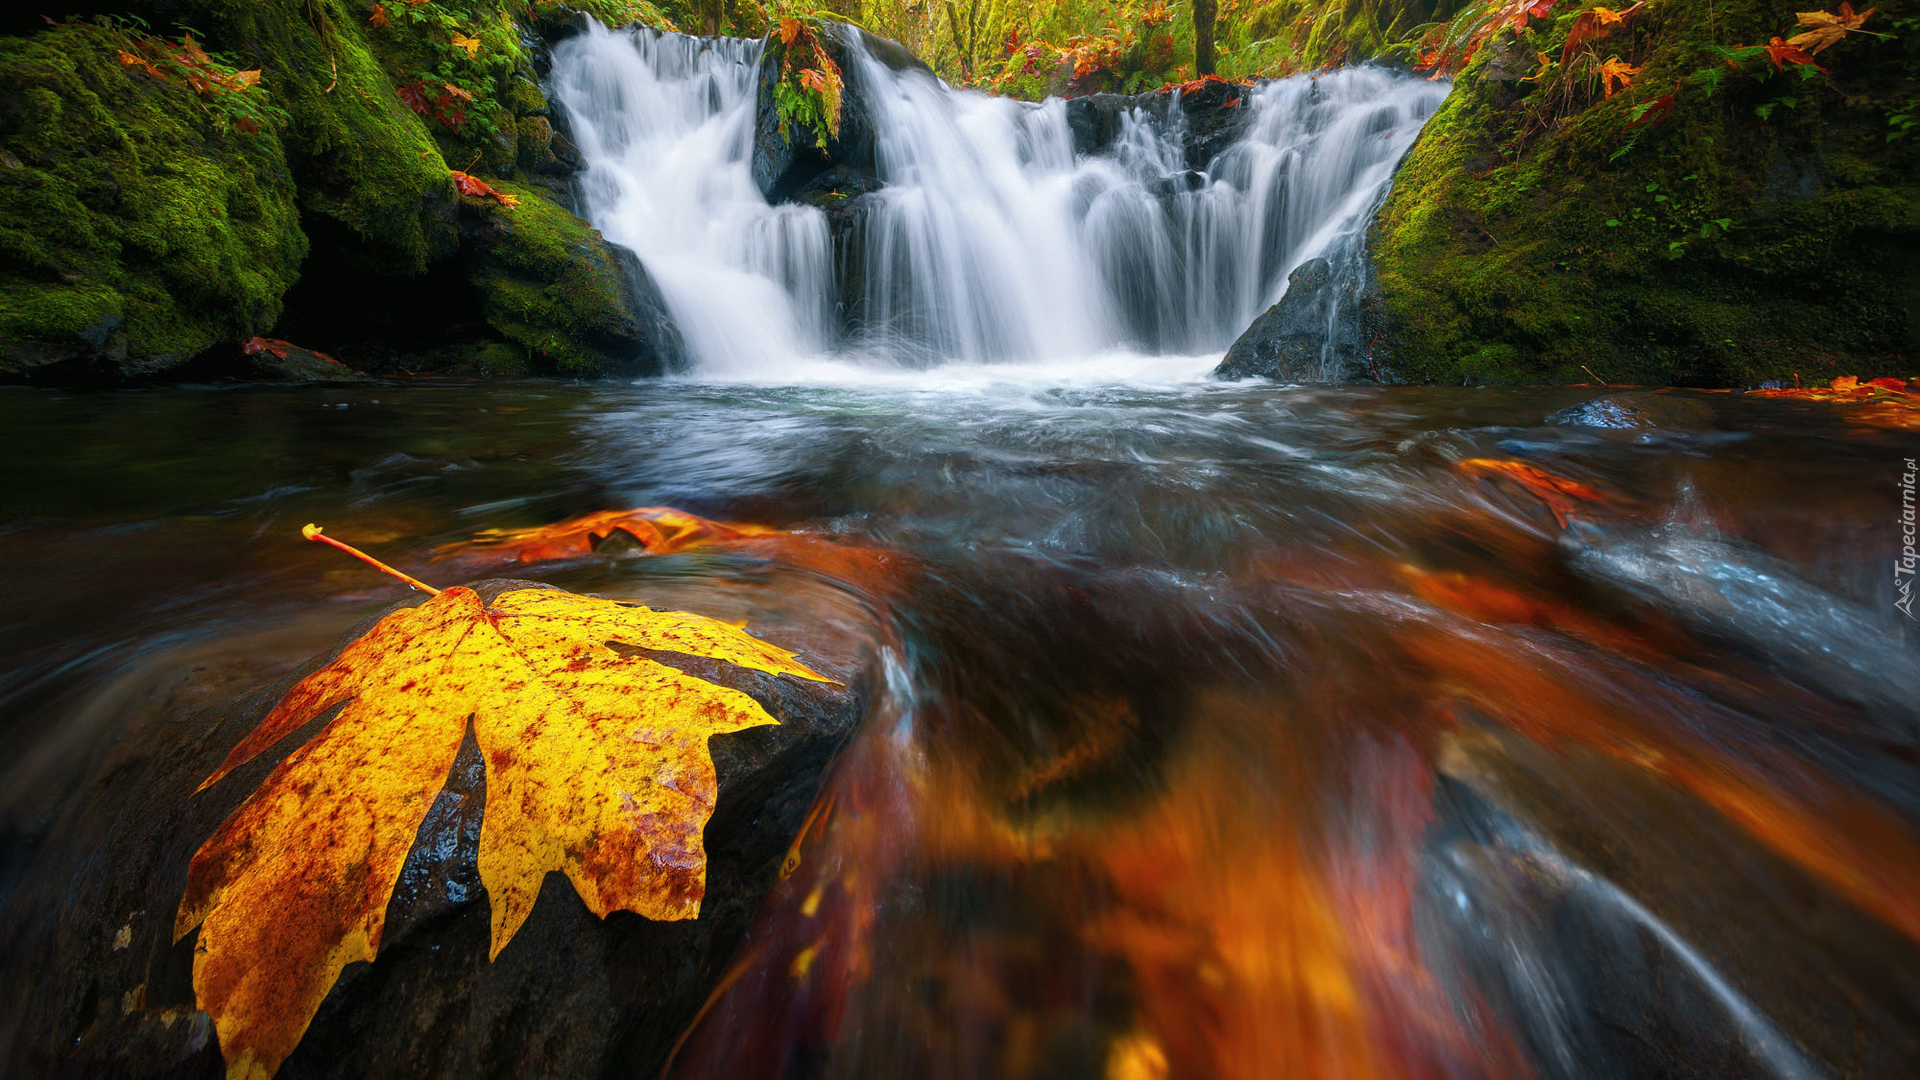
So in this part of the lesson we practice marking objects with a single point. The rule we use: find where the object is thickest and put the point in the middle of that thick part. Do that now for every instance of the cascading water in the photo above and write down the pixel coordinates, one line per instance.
(991, 239)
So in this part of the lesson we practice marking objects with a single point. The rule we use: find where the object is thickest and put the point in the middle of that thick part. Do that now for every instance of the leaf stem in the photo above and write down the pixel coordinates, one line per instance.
(312, 532)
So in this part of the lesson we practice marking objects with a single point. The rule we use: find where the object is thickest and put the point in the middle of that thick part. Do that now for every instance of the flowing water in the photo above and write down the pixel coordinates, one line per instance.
(1212, 730)
(990, 241)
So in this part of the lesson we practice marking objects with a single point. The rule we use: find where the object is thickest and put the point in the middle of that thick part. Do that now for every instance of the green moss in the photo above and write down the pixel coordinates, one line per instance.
(135, 223)
(1714, 248)
(549, 283)
(359, 155)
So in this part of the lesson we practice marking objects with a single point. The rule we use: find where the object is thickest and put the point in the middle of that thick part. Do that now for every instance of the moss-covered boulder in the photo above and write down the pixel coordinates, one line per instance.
(358, 154)
(138, 224)
(553, 287)
(1766, 225)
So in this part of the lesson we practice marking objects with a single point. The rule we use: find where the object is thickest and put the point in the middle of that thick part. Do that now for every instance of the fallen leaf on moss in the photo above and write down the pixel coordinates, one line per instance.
(596, 766)
(378, 20)
(477, 188)
(1828, 27)
(462, 41)
(1593, 24)
(1614, 70)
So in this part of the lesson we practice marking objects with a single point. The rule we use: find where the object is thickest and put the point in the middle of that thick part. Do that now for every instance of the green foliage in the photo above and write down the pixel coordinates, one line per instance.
(1753, 223)
(136, 221)
(808, 90)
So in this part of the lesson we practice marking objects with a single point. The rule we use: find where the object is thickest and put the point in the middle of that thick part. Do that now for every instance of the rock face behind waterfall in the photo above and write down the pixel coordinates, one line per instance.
(1322, 331)
(786, 162)
(1209, 119)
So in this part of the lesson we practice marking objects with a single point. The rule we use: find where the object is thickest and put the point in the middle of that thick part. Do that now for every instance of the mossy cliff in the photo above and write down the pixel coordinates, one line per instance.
(155, 208)
(1766, 226)
(137, 226)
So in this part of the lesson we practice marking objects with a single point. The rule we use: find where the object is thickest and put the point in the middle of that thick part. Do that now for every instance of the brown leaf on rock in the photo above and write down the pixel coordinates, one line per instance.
(596, 765)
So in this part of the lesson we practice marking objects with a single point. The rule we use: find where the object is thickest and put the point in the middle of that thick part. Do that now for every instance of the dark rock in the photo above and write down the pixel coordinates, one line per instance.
(550, 283)
(1094, 120)
(1317, 333)
(1207, 120)
(1637, 411)
(1178, 183)
(88, 921)
(786, 163)
(286, 362)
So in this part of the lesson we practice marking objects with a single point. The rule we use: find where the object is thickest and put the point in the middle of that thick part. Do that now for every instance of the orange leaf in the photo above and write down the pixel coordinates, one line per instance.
(378, 20)
(256, 345)
(659, 530)
(789, 31)
(243, 79)
(1557, 493)
(472, 45)
(596, 766)
(1593, 24)
(1613, 70)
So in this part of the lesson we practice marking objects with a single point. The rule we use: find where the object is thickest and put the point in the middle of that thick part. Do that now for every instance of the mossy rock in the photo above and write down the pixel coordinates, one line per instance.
(1715, 247)
(358, 153)
(551, 285)
(137, 226)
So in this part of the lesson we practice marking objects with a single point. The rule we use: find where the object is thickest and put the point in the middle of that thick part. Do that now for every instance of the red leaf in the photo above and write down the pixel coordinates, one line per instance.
(1655, 110)
(1778, 50)
(256, 345)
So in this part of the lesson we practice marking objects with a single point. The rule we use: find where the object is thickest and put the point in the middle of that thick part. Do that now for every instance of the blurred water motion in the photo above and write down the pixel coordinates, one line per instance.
(1224, 733)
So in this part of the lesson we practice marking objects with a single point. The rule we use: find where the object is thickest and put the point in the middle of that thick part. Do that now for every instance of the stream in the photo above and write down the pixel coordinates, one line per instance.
(1224, 730)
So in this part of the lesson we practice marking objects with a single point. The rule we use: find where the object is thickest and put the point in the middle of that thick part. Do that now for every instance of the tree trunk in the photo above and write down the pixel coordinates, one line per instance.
(1203, 37)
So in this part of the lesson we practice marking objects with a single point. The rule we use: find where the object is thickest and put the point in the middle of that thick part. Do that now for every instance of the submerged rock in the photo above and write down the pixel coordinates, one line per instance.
(1317, 333)
(1636, 411)
(89, 926)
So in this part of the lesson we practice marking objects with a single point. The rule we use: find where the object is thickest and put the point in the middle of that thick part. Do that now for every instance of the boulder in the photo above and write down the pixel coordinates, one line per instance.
(283, 361)
(1317, 333)
(787, 164)
(550, 283)
(88, 919)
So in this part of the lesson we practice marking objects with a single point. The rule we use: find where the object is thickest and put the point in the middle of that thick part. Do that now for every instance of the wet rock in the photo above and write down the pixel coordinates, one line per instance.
(1315, 334)
(551, 284)
(1208, 120)
(1179, 183)
(786, 163)
(88, 919)
(1637, 411)
(286, 362)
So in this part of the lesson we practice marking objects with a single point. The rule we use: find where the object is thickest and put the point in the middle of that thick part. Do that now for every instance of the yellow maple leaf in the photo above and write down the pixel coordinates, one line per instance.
(1614, 70)
(243, 79)
(596, 766)
(1828, 27)
(462, 41)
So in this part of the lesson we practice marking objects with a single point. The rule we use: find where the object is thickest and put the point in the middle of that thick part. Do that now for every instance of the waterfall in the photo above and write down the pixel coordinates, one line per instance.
(990, 239)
